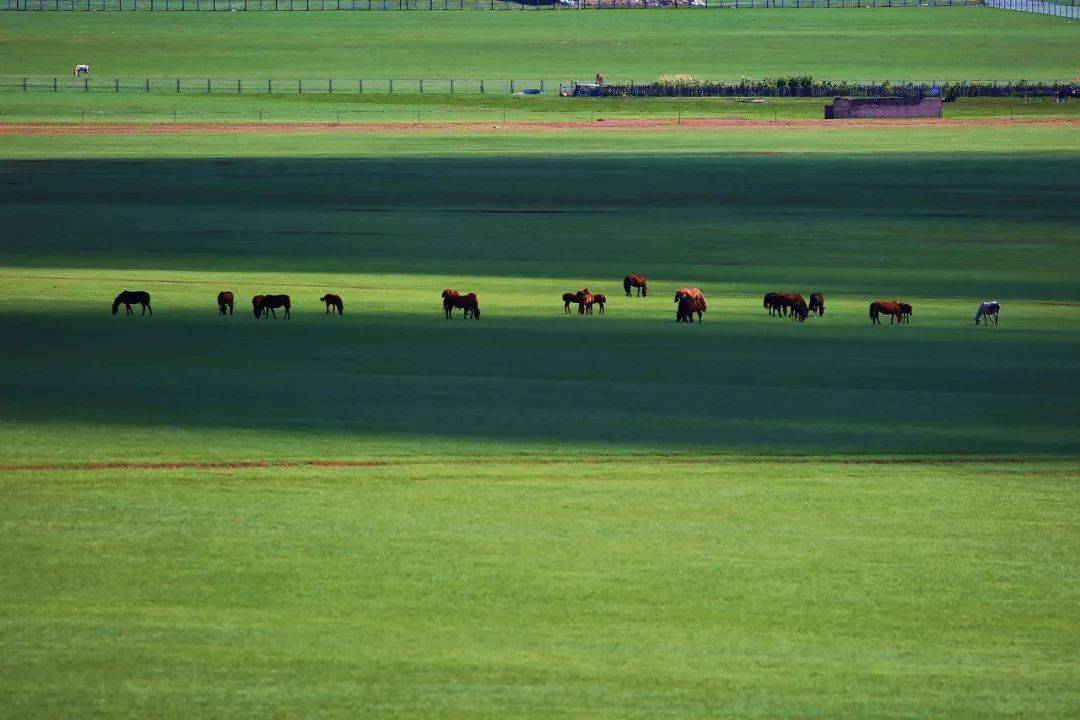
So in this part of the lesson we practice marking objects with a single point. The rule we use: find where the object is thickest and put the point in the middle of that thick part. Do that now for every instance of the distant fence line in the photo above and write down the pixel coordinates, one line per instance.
(321, 5)
(777, 87)
(1058, 8)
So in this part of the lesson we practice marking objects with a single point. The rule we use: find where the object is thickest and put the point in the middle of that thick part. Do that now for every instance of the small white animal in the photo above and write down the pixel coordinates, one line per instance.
(81, 70)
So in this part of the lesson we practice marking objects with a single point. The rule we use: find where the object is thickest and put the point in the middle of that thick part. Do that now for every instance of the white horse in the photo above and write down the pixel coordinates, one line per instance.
(81, 70)
(989, 309)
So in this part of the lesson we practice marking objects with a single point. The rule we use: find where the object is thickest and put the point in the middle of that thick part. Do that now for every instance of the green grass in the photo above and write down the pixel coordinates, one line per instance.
(427, 109)
(476, 590)
(959, 214)
(604, 516)
(856, 44)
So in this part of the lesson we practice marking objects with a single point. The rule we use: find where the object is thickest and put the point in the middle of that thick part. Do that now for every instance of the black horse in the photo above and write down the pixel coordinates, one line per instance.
(132, 297)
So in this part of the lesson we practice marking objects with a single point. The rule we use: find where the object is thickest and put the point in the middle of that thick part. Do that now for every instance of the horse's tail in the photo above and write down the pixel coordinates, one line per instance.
(873, 314)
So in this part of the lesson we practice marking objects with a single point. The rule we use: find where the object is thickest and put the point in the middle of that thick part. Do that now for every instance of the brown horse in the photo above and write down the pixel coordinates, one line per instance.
(277, 301)
(467, 302)
(568, 298)
(585, 302)
(225, 302)
(127, 298)
(817, 304)
(905, 311)
(887, 307)
(448, 292)
(687, 307)
(693, 294)
(784, 304)
(333, 301)
(257, 305)
(597, 299)
(799, 311)
(636, 281)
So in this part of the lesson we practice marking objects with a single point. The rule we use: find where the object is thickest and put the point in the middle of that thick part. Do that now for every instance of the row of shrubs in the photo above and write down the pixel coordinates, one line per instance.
(806, 86)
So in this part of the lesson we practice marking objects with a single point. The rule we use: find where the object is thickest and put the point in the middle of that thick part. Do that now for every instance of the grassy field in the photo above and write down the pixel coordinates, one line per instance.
(853, 44)
(504, 589)
(535, 515)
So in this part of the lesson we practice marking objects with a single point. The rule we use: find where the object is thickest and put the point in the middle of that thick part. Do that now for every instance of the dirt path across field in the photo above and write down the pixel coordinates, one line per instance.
(622, 124)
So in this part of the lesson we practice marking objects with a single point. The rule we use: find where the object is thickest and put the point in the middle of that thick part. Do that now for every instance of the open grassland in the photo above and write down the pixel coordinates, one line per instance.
(427, 109)
(539, 515)
(941, 217)
(508, 589)
(853, 44)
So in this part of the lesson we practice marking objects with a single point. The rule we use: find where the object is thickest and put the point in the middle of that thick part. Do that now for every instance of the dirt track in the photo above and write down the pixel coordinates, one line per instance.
(599, 125)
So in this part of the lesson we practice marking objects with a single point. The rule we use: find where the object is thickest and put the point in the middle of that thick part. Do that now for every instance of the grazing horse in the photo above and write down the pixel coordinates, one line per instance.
(799, 311)
(568, 298)
(636, 281)
(888, 307)
(225, 302)
(905, 312)
(127, 298)
(585, 301)
(597, 299)
(817, 304)
(467, 302)
(80, 70)
(277, 301)
(771, 303)
(989, 310)
(687, 307)
(257, 305)
(693, 294)
(333, 301)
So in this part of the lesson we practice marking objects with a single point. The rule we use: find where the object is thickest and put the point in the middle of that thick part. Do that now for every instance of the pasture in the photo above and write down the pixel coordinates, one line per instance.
(390, 514)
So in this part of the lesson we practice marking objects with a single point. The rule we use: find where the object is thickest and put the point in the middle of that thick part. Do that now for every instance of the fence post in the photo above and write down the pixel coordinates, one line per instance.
(269, 86)
(117, 82)
(330, 85)
(177, 86)
(451, 86)
(299, 87)
(360, 85)
(391, 86)
(481, 87)
(421, 86)
(24, 84)
(55, 84)
(207, 86)
(239, 87)
(511, 87)
(147, 84)
(86, 84)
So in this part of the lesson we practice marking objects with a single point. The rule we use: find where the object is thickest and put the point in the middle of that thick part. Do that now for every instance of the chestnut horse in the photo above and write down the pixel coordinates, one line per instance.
(127, 298)
(636, 281)
(257, 305)
(817, 304)
(585, 302)
(270, 302)
(693, 294)
(687, 307)
(784, 304)
(887, 307)
(597, 299)
(467, 302)
(799, 311)
(568, 298)
(225, 302)
(333, 301)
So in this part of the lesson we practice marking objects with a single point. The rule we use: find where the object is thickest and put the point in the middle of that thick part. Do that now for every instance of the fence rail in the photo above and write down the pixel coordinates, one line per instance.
(779, 87)
(1058, 8)
(394, 5)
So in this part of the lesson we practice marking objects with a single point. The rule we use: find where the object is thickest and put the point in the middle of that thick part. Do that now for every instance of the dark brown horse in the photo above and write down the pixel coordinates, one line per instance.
(784, 303)
(687, 307)
(225, 302)
(333, 302)
(257, 305)
(636, 281)
(466, 302)
(771, 303)
(905, 311)
(270, 302)
(817, 304)
(127, 298)
(570, 298)
(799, 311)
(599, 300)
(886, 307)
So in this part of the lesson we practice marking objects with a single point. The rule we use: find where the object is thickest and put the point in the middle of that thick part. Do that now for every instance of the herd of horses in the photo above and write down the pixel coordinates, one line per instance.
(688, 303)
